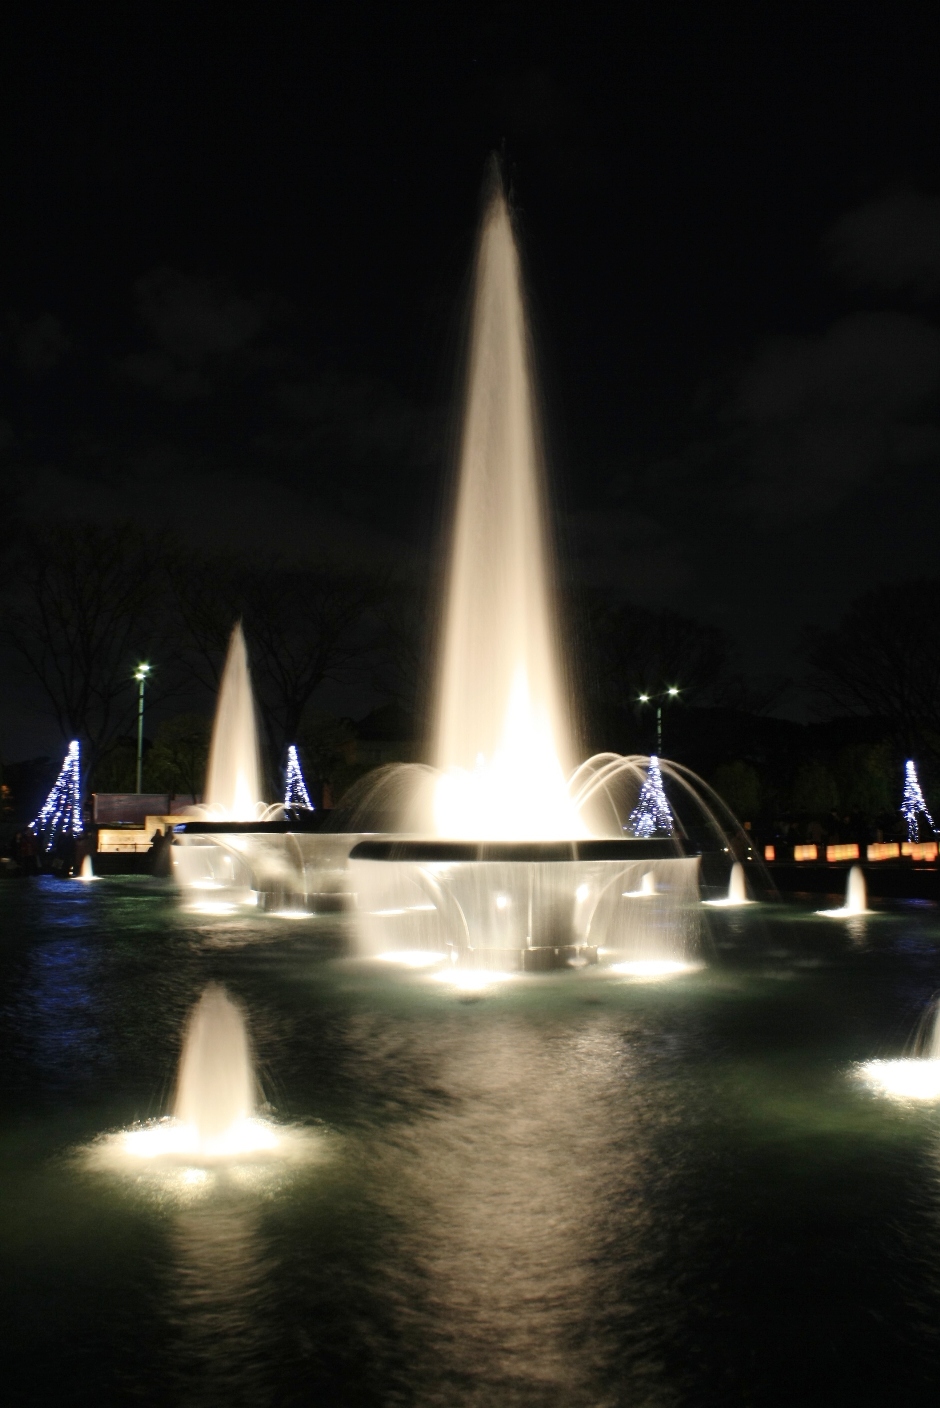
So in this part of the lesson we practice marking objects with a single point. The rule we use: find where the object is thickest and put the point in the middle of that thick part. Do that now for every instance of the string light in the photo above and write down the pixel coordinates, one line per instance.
(651, 813)
(912, 802)
(61, 813)
(295, 789)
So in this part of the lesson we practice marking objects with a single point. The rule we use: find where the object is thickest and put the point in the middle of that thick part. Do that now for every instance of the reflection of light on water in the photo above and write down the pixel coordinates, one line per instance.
(648, 969)
(909, 1079)
(472, 979)
(212, 907)
(291, 914)
(413, 957)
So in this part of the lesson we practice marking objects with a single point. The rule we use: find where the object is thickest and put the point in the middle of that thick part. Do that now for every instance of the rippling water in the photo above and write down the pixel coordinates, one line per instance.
(573, 1190)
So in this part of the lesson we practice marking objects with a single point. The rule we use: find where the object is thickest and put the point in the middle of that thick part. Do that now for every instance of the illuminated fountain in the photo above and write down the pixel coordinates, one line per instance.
(917, 1075)
(237, 851)
(500, 856)
(514, 864)
(856, 897)
(737, 890)
(214, 1119)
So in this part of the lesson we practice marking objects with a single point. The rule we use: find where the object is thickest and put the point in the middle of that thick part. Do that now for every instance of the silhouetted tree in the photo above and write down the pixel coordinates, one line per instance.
(81, 610)
(883, 660)
(304, 625)
(636, 650)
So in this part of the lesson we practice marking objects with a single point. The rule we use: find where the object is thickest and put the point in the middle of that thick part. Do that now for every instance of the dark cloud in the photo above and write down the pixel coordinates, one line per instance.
(890, 243)
(816, 417)
(38, 344)
(201, 331)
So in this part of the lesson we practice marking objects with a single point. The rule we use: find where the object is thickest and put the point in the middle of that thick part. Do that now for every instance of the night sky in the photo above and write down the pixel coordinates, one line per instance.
(236, 246)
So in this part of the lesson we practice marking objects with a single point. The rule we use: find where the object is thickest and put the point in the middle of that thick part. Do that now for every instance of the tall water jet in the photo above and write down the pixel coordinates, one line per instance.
(502, 736)
(233, 779)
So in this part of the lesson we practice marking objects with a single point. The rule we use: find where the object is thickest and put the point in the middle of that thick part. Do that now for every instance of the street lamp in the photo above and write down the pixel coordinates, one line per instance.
(140, 675)
(671, 693)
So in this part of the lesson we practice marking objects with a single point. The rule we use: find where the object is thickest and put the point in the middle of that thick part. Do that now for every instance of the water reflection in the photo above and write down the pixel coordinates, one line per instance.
(521, 1205)
(220, 1303)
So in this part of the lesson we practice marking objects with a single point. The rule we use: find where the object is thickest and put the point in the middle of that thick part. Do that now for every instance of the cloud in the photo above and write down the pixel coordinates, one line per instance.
(38, 345)
(817, 417)
(201, 332)
(892, 242)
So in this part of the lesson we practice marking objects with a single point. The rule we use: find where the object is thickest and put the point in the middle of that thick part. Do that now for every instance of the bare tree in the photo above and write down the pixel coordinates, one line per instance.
(636, 650)
(304, 626)
(81, 612)
(883, 660)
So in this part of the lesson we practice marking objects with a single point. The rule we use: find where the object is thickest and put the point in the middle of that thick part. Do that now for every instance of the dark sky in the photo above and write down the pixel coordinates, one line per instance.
(237, 238)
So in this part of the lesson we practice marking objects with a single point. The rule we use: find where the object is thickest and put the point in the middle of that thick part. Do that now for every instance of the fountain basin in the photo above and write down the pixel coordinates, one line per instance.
(523, 905)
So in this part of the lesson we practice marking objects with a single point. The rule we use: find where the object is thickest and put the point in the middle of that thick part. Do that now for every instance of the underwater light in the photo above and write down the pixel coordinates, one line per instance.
(472, 979)
(413, 957)
(174, 1139)
(908, 1079)
(649, 968)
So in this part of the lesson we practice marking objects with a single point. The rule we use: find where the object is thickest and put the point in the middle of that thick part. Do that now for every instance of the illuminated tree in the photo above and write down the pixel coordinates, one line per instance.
(651, 815)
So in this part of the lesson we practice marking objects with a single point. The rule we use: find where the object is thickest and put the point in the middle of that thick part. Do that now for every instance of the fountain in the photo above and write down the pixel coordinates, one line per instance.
(856, 897)
(737, 890)
(500, 856)
(87, 871)
(214, 1118)
(236, 851)
(917, 1075)
(233, 778)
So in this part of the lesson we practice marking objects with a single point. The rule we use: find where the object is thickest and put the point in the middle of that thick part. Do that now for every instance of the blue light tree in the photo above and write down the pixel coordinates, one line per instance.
(295, 789)
(913, 805)
(651, 815)
(61, 812)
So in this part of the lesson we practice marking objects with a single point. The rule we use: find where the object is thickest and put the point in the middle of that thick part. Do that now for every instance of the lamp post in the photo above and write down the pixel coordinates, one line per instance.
(140, 675)
(671, 693)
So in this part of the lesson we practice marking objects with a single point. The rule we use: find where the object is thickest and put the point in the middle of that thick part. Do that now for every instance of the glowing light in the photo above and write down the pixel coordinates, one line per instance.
(646, 891)
(653, 969)
(413, 957)
(651, 813)
(913, 804)
(61, 812)
(502, 901)
(910, 1079)
(672, 693)
(842, 852)
(472, 979)
(171, 1138)
(581, 893)
(295, 789)
(805, 852)
(770, 853)
(883, 850)
(919, 850)
(291, 914)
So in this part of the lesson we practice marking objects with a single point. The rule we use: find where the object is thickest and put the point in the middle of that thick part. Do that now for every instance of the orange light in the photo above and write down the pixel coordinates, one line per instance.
(919, 850)
(846, 852)
(884, 850)
(805, 852)
(770, 853)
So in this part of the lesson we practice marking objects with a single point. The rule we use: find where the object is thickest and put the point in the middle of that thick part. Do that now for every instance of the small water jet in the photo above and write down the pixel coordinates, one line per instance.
(87, 871)
(856, 897)
(913, 1077)
(737, 890)
(215, 1122)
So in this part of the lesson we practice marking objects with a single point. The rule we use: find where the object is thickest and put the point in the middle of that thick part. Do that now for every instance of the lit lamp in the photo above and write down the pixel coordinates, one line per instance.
(140, 675)
(671, 693)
